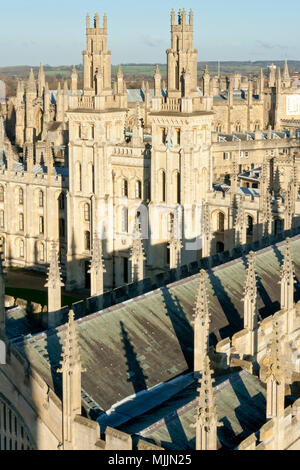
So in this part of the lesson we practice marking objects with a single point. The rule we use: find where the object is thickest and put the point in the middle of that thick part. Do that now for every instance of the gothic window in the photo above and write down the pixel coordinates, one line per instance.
(249, 225)
(1, 193)
(62, 229)
(21, 196)
(41, 225)
(87, 241)
(78, 177)
(219, 127)
(124, 220)
(220, 222)
(87, 215)
(41, 199)
(13, 434)
(138, 190)
(124, 188)
(1, 219)
(178, 136)
(220, 247)
(162, 186)
(176, 187)
(21, 249)
(238, 127)
(61, 202)
(21, 222)
(257, 126)
(42, 252)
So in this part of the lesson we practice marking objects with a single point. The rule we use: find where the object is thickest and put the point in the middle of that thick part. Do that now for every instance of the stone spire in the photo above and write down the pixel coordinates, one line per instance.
(41, 80)
(59, 104)
(286, 75)
(31, 84)
(2, 298)
(54, 285)
(206, 82)
(239, 222)
(120, 81)
(157, 83)
(250, 306)
(287, 286)
(289, 205)
(137, 131)
(97, 269)
(272, 76)
(74, 81)
(201, 325)
(206, 411)
(273, 374)
(261, 83)
(71, 369)
(137, 256)
(278, 80)
(206, 248)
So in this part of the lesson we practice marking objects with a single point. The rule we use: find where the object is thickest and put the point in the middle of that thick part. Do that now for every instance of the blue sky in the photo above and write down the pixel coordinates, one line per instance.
(53, 32)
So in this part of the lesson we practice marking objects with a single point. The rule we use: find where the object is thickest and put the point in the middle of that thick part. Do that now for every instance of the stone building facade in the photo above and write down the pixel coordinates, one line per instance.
(86, 164)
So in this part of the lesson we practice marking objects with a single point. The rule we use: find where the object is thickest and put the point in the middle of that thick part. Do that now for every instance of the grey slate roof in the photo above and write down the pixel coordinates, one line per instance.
(143, 342)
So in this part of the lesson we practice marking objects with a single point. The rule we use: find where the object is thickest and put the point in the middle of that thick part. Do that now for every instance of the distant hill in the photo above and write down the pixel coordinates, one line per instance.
(136, 73)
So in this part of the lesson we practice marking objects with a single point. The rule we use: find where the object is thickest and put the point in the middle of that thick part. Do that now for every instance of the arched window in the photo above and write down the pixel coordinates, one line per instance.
(42, 252)
(21, 196)
(41, 199)
(1, 219)
(238, 127)
(87, 241)
(61, 202)
(163, 186)
(1, 193)
(62, 230)
(21, 248)
(21, 222)
(125, 220)
(220, 222)
(220, 247)
(257, 126)
(124, 188)
(219, 127)
(78, 177)
(249, 225)
(138, 189)
(87, 215)
(41, 225)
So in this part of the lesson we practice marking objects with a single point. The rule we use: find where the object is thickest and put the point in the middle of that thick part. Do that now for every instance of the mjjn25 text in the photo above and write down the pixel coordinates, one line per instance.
(164, 460)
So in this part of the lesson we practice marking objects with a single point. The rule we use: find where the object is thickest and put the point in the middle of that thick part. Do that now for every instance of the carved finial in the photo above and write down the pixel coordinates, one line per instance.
(250, 286)
(287, 270)
(54, 279)
(71, 351)
(206, 411)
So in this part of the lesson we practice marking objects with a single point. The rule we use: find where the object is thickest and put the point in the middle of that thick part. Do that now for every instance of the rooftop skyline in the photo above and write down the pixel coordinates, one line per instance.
(54, 33)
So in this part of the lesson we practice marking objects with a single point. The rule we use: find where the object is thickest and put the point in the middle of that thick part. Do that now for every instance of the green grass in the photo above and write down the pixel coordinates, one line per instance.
(37, 296)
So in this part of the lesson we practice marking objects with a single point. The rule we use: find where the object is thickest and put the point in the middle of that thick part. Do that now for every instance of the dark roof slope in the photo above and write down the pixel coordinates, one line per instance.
(149, 340)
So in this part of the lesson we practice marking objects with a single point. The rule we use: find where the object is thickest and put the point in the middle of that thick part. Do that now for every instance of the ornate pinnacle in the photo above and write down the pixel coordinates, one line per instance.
(71, 351)
(54, 279)
(287, 270)
(275, 369)
(97, 258)
(250, 286)
(207, 227)
(240, 214)
(206, 410)
(201, 308)
(137, 251)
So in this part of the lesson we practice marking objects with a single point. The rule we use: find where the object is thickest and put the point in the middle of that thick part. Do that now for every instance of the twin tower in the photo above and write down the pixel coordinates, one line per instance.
(181, 57)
